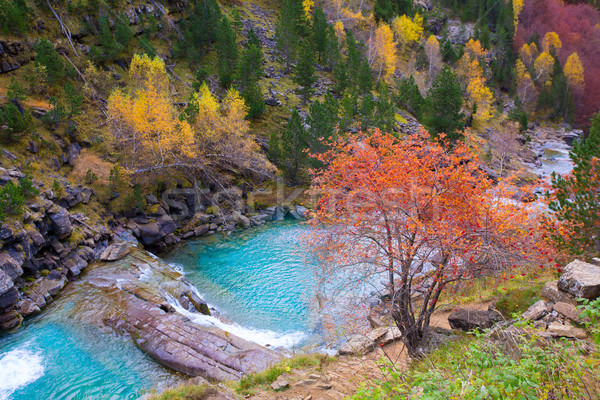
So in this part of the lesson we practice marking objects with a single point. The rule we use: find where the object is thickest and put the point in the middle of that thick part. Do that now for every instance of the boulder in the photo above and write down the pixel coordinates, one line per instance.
(167, 225)
(551, 293)
(357, 345)
(6, 283)
(49, 287)
(581, 280)
(392, 334)
(74, 264)
(61, 222)
(240, 219)
(149, 233)
(468, 319)
(10, 320)
(202, 230)
(10, 267)
(567, 310)
(28, 307)
(72, 153)
(537, 311)
(115, 251)
(301, 210)
(8, 299)
(280, 384)
(568, 331)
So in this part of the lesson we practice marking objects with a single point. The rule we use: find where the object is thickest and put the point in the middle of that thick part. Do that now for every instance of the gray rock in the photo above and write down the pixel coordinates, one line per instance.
(28, 307)
(357, 345)
(295, 214)
(280, 384)
(74, 264)
(8, 299)
(581, 280)
(72, 153)
(240, 219)
(202, 230)
(551, 293)
(537, 311)
(9, 155)
(301, 210)
(5, 283)
(567, 310)
(61, 222)
(568, 331)
(149, 233)
(10, 266)
(115, 251)
(467, 319)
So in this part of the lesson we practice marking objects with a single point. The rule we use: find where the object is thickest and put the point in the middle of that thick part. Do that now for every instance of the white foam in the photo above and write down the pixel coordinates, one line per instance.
(19, 368)
(177, 267)
(264, 337)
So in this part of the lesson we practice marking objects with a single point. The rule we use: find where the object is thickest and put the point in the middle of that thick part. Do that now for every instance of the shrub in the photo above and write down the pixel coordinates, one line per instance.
(13, 16)
(48, 57)
(480, 369)
(27, 188)
(58, 189)
(90, 177)
(16, 121)
(11, 200)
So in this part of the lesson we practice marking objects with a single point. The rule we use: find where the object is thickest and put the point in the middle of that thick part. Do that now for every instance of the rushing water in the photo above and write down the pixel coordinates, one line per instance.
(57, 356)
(261, 280)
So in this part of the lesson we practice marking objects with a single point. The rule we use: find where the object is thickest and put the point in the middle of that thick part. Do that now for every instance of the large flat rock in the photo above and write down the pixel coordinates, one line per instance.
(581, 279)
(136, 295)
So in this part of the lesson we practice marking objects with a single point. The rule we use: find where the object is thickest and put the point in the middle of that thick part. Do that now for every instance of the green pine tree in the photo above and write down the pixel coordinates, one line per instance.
(252, 39)
(305, 71)
(331, 56)
(253, 96)
(384, 10)
(294, 142)
(319, 32)
(199, 30)
(227, 54)
(354, 59)
(575, 199)
(442, 112)
(47, 57)
(286, 32)
(238, 26)
(250, 68)
(409, 97)
(365, 78)
(340, 78)
(322, 123)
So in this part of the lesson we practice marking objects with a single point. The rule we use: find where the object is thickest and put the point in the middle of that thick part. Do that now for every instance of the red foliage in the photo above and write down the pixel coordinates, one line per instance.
(577, 26)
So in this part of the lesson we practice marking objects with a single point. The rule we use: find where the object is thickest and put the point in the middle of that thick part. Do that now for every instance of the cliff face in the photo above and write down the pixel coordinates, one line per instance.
(42, 249)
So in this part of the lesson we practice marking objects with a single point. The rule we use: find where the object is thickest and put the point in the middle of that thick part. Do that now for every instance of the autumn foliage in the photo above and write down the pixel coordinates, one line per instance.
(576, 29)
(210, 139)
(419, 215)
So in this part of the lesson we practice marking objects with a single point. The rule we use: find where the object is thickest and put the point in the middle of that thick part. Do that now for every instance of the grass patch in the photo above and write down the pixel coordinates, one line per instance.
(249, 384)
(186, 392)
(519, 300)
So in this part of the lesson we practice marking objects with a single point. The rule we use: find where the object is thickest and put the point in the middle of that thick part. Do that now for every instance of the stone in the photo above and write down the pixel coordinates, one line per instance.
(188, 234)
(74, 264)
(467, 319)
(9, 298)
(6, 283)
(280, 384)
(537, 311)
(28, 307)
(551, 293)
(357, 345)
(49, 287)
(580, 279)
(569, 331)
(323, 386)
(301, 210)
(295, 214)
(567, 310)
(9, 155)
(72, 153)
(115, 251)
(391, 335)
(32, 147)
(202, 230)
(166, 224)
(377, 334)
(61, 222)
(10, 320)
(149, 233)
(10, 266)
(144, 314)
(305, 382)
(240, 219)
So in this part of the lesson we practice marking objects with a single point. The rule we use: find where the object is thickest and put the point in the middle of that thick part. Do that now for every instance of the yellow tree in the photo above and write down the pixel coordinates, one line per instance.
(338, 27)
(407, 30)
(146, 127)
(472, 79)
(574, 73)
(480, 95)
(432, 50)
(551, 42)
(528, 53)
(517, 8)
(382, 50)
(543, 68)
(526, 90)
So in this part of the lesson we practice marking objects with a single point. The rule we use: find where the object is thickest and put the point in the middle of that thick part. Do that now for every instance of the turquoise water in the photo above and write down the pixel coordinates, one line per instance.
(57, 356)
(261, 279)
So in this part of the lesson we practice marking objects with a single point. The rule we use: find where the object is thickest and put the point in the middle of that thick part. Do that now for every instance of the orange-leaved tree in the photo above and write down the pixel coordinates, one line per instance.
(418, 214)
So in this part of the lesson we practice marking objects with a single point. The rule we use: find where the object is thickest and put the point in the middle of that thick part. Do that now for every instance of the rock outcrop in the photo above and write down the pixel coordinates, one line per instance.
(581, 280)
(467, 319)
(139, 297)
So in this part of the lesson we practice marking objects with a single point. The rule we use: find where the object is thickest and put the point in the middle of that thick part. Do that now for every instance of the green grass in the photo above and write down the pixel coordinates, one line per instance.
(186, 392)
(519, 300)
(249, 384)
